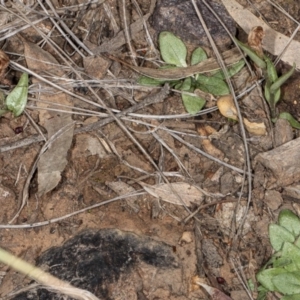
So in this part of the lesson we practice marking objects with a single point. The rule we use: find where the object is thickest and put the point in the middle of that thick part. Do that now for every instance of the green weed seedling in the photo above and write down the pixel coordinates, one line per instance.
(16, 99)
(273, 83)
(282, 272)
(173, 52)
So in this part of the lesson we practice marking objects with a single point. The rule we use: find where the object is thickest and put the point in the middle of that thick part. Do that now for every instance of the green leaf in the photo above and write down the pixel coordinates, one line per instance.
(287, 283)
(253, 56)
(277, 95)
(17, 98)
(172, 49)
(234, 69)
(292, 252)
(192, 104)
(291, 297)
(267, 91)
(282, 79)
(262, 293)
(265, 277)
(271, 71)
(297, 242)
(279, 235)
(282, 262)
(251, 285)
(144, 80)
(212, 85)
(293, 122)
(198, 55)
(178, 85)
(187, 84)
(290, 221)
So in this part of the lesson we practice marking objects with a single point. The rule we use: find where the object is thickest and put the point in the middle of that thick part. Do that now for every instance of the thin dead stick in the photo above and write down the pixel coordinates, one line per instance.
(34, 125)
(51, 221)
(152, 99)
(123, 127)
(230, 57)
(197, 150)
(120, 40)
(127, 34)
(42, 151)
(242, 128)
(148, 36)
(205, 206)
(244, 283)
(67, 29)
(48, 280)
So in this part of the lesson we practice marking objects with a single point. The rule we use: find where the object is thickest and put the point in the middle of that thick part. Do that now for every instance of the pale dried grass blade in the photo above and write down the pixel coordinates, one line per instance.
(52, 283)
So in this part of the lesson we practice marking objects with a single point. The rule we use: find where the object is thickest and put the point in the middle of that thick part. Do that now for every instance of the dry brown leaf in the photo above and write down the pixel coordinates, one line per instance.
(255, 37)
(207, 144)
(87, 145)
(227, 107)
(167, 192)
(274, 42)
(122, 188)
(96, 66)
(215, 293)
(255, 127)
(52, 162)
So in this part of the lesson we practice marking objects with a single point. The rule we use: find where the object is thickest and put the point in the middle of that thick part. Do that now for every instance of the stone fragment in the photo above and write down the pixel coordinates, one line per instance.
(180, 18)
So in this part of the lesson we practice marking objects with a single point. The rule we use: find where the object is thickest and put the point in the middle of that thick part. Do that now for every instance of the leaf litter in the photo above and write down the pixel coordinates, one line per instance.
(54, 160)
(78, 178)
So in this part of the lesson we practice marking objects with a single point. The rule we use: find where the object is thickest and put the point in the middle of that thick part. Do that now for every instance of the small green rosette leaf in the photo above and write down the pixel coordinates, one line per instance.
(282, 262)
(172, 49)
(212, 85)
(198, 55)
(17, 98)
(292, 252)
(192, 104)
(262, 293)
(186, 84)
(265, 277)
(291, 297)
(289, 221)
(144, 80)
(279, 235)
(234, 69)
(287, 283)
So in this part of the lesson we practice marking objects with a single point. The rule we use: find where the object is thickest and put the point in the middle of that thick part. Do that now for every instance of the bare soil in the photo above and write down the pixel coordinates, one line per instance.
(144, 247)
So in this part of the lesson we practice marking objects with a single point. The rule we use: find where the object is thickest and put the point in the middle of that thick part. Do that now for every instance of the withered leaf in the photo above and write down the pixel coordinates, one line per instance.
(53, 161)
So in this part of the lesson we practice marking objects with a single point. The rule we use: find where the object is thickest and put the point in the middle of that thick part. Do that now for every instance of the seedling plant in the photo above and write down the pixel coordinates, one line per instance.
(16, 100)
(273, 83)
(282, 272)
(174, 53)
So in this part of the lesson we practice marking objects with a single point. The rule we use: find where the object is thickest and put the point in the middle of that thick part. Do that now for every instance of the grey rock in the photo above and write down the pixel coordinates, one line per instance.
(180, 18)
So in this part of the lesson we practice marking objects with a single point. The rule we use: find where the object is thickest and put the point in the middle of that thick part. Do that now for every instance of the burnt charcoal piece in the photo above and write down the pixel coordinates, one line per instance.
(94, 259)
(180, 18)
